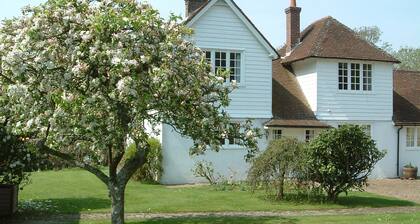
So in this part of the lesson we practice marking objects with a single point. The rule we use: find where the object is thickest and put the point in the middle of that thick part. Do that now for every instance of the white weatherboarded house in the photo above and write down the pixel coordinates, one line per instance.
(230, 41)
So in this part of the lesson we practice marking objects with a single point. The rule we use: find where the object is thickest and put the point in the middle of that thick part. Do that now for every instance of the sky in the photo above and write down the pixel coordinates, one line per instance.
(398, 20)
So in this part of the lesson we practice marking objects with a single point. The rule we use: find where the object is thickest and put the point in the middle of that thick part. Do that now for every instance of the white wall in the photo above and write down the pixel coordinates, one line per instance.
(306, 75)
(220, 28)
(361, 105)
(178, 164)
(408, 154)
(385, 135)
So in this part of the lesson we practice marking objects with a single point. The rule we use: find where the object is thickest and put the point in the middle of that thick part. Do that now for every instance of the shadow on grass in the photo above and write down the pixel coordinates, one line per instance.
(63, 205)
(373, 202)
(219, 220)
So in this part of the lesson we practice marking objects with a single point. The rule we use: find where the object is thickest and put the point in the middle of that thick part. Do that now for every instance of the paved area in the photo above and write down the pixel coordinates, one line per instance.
(403, 189)
(57, 219)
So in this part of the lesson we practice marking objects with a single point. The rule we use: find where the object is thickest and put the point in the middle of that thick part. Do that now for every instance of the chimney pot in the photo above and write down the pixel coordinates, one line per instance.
(292, 3)
(192, 5)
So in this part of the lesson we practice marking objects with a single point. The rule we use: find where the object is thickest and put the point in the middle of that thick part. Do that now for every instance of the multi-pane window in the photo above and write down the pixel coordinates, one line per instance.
(220, 62)
(277, 134)
(226, 60)
(410, 137)
(367, 77)
(309, 135)
(343, 76)
(361, 77)
(355, 76)
(230, 139)
(418, 137)
(235, 67)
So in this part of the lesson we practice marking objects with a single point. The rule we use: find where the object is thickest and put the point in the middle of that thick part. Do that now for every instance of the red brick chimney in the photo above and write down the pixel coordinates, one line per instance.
(292, 26)
(192, 5)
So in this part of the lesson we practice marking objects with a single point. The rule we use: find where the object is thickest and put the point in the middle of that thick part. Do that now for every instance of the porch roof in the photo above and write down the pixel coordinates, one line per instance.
(296, 124)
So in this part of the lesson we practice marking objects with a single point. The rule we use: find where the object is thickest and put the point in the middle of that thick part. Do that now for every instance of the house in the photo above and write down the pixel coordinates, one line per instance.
(324, 76)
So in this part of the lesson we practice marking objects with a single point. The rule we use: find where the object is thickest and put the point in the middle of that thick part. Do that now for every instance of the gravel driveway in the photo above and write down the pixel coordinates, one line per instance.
(403, 189)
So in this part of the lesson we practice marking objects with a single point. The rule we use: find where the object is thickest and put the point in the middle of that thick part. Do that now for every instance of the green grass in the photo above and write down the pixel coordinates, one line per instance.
(76, 191)
(368, 219)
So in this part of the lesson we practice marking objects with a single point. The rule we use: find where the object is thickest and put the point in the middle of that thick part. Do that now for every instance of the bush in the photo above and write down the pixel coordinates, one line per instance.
(152, 170)
(17, 159)
(205, 170)
(341, 159)
(283, 157)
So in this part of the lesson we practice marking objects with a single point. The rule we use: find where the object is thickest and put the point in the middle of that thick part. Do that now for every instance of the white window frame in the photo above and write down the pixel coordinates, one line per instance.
(241, 81)
(309, 134)
(226, 144)
(276, 134)
(365, 82)
(415, 138)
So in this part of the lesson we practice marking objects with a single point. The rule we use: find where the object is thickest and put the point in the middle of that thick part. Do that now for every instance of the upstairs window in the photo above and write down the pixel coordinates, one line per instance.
(343, 76)
(226, 60)
(360, 76)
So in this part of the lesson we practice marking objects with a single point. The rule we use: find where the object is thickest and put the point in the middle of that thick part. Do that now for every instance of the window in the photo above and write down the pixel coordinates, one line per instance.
(355, 76)
(361, 78)
(418, 137)
(235, 67)
(277, 134)
(230, 139)
(226, 60)
(367, 77)
(309, 135)
(410, 137)
(367, 129)
(220, 63)
(343, 78)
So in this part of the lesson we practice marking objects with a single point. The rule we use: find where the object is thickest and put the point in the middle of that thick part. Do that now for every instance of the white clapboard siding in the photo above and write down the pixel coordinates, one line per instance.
(306, 75)
(333, 104)
(220, 28)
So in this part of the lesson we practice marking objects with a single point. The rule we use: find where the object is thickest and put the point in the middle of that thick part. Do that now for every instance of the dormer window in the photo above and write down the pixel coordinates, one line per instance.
(360, 76)
(226, 60)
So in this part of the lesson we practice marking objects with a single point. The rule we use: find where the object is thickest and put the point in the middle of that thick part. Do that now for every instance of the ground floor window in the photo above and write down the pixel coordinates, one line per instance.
(413, 137)
(277, 134)
(309, 135)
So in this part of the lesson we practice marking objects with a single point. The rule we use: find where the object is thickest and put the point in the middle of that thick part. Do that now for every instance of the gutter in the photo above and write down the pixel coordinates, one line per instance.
(398, 151)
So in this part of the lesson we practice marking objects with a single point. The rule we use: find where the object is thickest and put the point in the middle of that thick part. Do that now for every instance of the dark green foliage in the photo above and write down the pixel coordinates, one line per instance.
(282, 158)
(17, 159)
(341, 159)
(152, 170)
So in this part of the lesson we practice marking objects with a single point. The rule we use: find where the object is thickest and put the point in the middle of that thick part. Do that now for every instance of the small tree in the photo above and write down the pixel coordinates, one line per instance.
(282, 157)
(342, 159)
(90, 75)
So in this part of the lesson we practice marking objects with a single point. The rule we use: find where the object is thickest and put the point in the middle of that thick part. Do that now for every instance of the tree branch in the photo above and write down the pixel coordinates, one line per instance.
(97, 172)
(132, 165)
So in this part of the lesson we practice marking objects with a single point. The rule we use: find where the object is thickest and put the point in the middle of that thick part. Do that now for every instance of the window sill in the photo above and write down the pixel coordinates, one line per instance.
(355, 92)
(412, 148)
(233, 147)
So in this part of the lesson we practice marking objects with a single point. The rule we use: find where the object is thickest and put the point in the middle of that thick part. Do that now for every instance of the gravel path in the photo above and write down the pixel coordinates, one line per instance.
(403, 189)
(56, 219)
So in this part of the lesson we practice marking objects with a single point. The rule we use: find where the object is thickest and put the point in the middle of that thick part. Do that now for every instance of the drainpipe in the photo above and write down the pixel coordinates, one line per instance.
(398, 151)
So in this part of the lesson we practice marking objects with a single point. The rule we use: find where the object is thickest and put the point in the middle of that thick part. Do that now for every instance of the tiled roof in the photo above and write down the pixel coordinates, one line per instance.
(290, 108)
(328, 38)
(406, 97)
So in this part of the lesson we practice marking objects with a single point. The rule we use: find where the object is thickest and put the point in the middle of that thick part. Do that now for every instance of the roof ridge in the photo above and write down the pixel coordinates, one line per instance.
(360, 38)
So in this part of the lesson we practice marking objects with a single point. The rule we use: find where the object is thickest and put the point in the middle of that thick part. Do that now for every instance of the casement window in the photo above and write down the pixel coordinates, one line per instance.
(413, 137)
(355, 76)
(367, 77)
(226, 60)
(309, 135)
(277, 134)
(231, 140)
(343, 76)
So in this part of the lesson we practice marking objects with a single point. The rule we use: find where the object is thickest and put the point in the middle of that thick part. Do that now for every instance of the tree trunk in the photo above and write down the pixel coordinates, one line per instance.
(280, 194)
(117, 192)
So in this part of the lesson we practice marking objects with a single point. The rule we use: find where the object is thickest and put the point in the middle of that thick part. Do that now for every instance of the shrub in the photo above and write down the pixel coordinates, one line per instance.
(17, 159)
(283, 157)
(152, 170)
(341, 160)
(205, 170)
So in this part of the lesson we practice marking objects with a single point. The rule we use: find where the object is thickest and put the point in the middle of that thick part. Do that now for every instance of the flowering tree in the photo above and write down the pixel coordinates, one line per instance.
(89, 75)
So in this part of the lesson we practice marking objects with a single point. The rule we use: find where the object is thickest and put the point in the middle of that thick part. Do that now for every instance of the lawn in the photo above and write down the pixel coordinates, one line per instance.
(76, 191)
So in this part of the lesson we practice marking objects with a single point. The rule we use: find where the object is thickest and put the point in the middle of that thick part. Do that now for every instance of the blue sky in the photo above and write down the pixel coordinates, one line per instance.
(398, 20)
